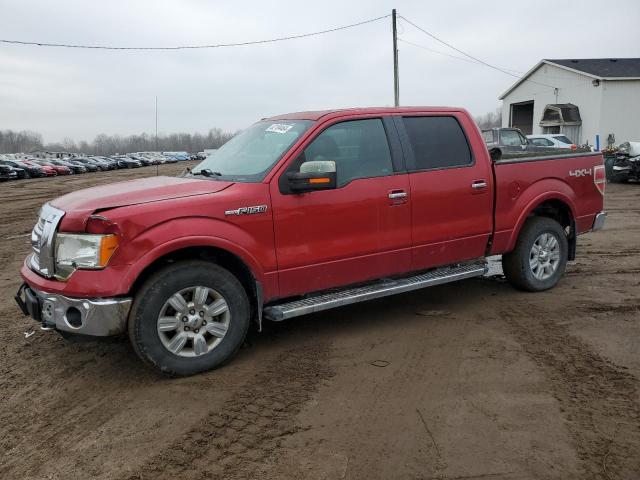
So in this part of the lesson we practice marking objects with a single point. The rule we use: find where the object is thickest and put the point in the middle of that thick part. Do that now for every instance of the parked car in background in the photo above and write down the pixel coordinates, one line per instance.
(22, 170)
(502, 141)
(552, 141)
(47, 169)
(142, 159)
(626, 165)
(176, 156)
(101, 166)
(110, 162)
(88, 164)
(157, 157)
(104, 164)
(7, 173)
(74, 167)
(169, 157)
(125, 162)
(60, 169)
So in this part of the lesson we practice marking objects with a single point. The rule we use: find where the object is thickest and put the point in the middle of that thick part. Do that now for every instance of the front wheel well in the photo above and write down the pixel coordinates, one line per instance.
(219, 256)
(561, 213)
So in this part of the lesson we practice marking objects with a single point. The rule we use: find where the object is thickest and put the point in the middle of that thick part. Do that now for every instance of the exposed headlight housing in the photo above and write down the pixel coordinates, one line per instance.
(83, 251)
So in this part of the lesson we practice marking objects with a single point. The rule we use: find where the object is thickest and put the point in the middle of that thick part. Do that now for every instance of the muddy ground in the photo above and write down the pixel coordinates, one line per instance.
(472, 380)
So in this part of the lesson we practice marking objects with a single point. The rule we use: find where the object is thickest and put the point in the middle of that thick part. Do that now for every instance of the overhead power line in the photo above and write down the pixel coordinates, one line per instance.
(468, 60)
(470, 56)
(194, 47)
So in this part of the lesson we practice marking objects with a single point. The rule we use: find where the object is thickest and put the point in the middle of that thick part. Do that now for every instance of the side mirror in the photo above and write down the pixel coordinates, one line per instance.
(315, 175)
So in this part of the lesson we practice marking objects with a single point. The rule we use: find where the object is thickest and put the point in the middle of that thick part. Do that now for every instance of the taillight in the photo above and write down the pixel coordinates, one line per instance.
(599, 178)
(574, 147)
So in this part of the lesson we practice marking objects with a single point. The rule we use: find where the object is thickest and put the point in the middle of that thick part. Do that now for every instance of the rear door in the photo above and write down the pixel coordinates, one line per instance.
(451, 199)
(358, 231)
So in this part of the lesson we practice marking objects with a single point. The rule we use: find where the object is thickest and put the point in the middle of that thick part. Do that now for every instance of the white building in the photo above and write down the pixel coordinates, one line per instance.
(589, 100)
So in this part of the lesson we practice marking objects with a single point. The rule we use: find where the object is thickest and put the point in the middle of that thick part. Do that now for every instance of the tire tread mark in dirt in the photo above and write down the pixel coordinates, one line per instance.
(235, 440)
(598, 399)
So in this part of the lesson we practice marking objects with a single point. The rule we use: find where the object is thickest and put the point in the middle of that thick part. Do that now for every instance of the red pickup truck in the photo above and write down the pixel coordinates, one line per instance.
(301, 213)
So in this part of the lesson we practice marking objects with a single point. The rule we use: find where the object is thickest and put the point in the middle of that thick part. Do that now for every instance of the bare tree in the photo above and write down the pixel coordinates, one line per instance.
(490, 119)
(22, 141)
(26, 141)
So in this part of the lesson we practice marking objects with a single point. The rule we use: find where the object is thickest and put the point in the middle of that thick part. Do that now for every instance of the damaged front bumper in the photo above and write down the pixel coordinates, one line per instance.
(98, 317)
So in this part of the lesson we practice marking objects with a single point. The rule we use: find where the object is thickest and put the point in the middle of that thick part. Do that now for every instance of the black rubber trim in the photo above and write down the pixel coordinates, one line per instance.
(541, 158)
(21, 303)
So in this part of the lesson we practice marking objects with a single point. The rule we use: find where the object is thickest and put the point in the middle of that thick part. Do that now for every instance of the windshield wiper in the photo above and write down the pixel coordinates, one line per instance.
(206, 172)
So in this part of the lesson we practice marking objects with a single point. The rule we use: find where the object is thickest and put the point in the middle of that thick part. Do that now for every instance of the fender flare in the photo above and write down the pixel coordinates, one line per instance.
(180, 243)
(532, 204)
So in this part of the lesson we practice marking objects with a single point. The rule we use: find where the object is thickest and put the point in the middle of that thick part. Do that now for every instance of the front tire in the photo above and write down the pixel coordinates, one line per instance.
(539, 258)
(189, 317)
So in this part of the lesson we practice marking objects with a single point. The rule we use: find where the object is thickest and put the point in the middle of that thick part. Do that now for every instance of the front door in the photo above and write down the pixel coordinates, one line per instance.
(356, 232)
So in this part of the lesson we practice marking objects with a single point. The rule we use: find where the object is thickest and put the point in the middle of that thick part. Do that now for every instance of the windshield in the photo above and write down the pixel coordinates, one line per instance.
(563, 139)
(249, 156)
(510, 138)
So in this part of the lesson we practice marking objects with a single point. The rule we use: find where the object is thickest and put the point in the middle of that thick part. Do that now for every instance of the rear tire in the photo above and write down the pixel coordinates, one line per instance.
(180, 340)
(540, 256)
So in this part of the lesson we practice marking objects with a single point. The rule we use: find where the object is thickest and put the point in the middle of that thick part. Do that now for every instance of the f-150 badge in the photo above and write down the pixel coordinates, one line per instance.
(247, 210)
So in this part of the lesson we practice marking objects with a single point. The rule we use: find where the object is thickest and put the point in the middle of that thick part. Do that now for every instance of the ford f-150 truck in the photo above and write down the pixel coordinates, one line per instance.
(297, 214)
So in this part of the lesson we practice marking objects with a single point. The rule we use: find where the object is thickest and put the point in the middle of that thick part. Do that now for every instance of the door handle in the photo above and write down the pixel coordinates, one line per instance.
(397, 195)
(479, 184)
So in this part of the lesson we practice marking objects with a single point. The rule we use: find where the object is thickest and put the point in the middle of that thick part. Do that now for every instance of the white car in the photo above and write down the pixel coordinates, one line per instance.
(552, 140)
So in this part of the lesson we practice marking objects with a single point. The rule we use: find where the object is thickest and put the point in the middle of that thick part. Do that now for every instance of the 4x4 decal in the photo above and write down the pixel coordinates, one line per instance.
(582, 172)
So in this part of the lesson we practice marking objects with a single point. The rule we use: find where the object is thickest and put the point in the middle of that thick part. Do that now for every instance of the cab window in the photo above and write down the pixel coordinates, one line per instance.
(437, 142)
(359, 149)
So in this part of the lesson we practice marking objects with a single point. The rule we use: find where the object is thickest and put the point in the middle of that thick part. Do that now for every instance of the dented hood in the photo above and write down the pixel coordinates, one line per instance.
(133, 192)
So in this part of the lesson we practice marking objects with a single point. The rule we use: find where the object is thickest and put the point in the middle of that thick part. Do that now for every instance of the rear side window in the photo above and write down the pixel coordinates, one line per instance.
(541, 142)
(488, 136)
(437, 142)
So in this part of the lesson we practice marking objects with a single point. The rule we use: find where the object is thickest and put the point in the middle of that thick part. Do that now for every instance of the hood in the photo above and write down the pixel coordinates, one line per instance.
(133, 192)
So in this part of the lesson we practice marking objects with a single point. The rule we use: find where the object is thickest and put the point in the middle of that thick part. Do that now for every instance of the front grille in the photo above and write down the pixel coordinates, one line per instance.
(42, 260)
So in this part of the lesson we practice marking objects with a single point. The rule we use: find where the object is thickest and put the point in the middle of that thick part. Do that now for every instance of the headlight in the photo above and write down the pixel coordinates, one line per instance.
(83, 250)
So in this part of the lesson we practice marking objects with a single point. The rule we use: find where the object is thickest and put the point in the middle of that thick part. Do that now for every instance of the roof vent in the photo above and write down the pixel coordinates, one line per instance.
(574, 61)
(613, 59)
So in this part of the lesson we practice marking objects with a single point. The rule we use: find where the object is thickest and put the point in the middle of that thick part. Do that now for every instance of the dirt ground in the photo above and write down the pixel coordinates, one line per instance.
(472, 380)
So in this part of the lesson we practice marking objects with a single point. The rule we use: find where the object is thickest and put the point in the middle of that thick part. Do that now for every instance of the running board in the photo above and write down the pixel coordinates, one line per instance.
(383, 288)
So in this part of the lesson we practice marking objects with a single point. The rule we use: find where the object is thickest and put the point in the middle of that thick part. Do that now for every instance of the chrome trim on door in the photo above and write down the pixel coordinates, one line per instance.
(396, 195)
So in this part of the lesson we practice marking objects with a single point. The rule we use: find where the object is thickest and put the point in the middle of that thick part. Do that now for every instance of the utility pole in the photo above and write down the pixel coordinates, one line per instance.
(396, 82)
(157, 165)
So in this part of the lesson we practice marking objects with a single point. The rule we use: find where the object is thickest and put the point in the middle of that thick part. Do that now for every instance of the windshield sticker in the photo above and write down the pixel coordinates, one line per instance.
(279, 128)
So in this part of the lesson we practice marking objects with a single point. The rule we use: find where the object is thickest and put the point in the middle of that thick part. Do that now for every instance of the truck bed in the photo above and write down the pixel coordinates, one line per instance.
(521, 187)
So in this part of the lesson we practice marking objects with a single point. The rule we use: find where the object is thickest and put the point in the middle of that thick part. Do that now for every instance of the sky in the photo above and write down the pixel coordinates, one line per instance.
(73, 93)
